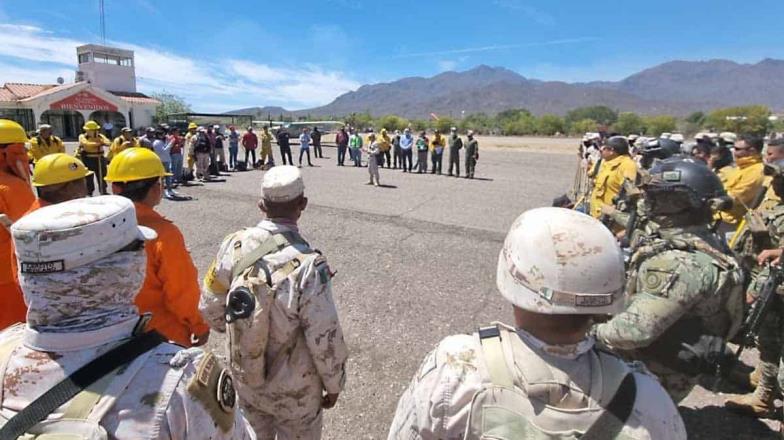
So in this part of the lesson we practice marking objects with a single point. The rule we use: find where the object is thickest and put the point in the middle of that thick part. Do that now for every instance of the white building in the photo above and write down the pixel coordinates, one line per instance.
(104, 90)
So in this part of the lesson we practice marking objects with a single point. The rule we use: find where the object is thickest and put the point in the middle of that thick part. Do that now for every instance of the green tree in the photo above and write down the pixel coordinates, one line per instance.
(628, 123)
(359, 121)
(549, 125)
(602, 114)
(443, 124)
(510, 115)
(525, 123)
(169, 104)
(479, 122)
(696, 118)
(656, 125)
(583, 126)
(419, 124)
(751, 119)
(391, 122)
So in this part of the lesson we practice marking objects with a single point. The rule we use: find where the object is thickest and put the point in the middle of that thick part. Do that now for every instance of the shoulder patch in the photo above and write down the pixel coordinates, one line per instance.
(213, 387)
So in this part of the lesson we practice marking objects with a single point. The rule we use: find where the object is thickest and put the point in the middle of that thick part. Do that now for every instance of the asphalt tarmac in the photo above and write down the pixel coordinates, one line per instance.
(415, 261)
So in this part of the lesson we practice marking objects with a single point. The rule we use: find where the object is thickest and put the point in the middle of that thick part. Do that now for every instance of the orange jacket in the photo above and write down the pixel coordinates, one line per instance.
(171, 287)
(15, 199)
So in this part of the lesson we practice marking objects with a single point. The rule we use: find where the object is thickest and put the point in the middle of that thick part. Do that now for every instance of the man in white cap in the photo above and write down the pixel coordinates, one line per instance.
(84, 354)
(455, 145)
(45, 143)
(542, 378)
(272, 293)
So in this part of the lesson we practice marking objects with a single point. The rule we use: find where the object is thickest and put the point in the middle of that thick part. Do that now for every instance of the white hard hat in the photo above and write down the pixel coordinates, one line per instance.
(559, 261)
(67, 235)
(282, 184)
(665, 135)
(677, 137)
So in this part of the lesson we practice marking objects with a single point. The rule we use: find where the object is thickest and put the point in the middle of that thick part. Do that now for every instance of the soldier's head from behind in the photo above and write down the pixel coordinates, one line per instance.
(283, 193)
(81, 263)
(60, 177)
(747, 146)
(614, 147)
(559, 268)
(680, 192)
(136, 174)
(775, 150)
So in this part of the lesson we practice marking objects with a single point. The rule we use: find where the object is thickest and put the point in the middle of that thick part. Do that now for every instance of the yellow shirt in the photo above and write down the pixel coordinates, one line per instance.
(266, 140)
(724, 174)
(93, 145)
(117, 146)
(40, 147)
(609, 181)
(438, 141)
(384, 142)
(743, 185)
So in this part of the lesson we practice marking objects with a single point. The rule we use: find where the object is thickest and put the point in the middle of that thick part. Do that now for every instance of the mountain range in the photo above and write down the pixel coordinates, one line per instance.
(676, 87)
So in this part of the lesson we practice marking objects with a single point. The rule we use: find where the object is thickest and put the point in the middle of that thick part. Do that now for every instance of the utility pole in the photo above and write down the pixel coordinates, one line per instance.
(103, 22)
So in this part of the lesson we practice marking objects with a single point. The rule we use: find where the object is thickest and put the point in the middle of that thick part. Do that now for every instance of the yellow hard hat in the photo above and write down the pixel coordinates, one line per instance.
(58, 168)
(135, 164)
(11, 132)
(192, 126)
(91, 125)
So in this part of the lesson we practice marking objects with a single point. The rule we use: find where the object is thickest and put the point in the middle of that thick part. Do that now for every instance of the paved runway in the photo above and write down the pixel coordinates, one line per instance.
(415, 262)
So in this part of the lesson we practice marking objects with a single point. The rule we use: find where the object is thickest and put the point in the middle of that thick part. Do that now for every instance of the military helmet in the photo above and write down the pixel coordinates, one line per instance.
(658, 149)
(676, 184)
(560, 261)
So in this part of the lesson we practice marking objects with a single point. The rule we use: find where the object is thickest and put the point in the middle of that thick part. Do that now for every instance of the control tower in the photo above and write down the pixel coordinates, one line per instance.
(108, 68)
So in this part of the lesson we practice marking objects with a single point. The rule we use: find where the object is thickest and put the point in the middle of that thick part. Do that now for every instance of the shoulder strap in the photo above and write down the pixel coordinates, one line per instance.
(274, 243)
(80, 379)
(490, 339)
(616, 413)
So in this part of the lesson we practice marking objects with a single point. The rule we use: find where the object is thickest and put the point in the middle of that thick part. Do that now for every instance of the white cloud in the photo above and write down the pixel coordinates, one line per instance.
(465, 50)
(30, 54)
(445, 65)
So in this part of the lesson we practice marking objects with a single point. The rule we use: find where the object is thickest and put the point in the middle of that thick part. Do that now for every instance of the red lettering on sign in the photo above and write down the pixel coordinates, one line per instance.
(83, 100)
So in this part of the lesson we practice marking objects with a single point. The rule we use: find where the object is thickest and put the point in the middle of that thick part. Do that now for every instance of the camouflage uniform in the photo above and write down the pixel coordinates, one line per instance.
(681, 286)
(437, 402)
(303, 323)
(84, 309)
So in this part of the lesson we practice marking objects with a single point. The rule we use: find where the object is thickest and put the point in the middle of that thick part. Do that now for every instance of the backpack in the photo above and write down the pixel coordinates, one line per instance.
(505, 410)
(202, 144)
(248, 304)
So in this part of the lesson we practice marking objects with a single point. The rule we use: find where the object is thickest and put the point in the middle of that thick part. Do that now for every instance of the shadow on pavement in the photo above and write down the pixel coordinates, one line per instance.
(386, 186)
(716, 423)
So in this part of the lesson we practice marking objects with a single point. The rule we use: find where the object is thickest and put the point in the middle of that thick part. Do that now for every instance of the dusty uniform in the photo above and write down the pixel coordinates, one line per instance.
(305, 353)
(609, 181)
(40, 147)
(563, 384)
(681, 287)
(471, 154)
(455, 144)
(158, 397)
(266, 148)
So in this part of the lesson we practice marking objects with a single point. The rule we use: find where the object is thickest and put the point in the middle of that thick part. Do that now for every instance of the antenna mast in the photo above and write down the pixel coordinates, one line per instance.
(103, 22)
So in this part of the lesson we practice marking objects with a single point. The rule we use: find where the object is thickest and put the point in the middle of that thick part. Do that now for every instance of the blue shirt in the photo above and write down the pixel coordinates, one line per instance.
(234, 139)
(304, 141)
(406, 141)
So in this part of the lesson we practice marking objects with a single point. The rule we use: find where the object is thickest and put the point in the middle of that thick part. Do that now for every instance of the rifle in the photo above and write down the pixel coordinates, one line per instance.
(753, 321)
(758, 199)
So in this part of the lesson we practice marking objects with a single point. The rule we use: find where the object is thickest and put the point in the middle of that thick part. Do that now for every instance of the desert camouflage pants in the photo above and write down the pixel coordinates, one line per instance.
(267, 428)
(678, 385)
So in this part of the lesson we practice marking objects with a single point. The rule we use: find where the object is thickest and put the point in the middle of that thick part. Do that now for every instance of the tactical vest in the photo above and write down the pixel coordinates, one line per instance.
(248, 304)
(535, 408)
(668, 349)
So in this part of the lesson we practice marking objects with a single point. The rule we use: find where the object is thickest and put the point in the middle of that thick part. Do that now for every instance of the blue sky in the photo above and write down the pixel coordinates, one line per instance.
(298, 54)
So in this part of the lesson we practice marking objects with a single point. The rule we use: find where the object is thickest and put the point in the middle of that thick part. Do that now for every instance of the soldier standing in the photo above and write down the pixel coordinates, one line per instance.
(148, 389)
(455, 144)
(685, 292)
(471, 155)
(272, 293)
(544, 376)
(764, 230)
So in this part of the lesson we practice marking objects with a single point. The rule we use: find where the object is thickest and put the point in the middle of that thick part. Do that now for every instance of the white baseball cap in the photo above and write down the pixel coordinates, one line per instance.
(282, 184)
(67, 235)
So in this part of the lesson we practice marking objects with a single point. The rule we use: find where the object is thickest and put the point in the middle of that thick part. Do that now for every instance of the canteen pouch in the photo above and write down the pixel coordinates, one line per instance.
(247, 324)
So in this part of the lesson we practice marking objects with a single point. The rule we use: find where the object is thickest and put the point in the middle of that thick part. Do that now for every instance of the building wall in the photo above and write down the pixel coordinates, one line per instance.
(109, 76)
